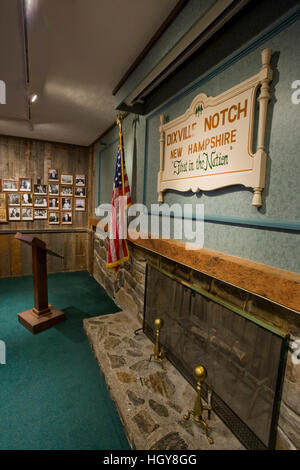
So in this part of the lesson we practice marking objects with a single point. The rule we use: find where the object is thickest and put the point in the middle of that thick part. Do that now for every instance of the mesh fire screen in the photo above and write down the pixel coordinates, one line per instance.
(243, 359)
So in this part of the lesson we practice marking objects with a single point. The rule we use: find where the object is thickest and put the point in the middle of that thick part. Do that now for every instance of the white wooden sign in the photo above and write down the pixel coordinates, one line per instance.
(210, 145)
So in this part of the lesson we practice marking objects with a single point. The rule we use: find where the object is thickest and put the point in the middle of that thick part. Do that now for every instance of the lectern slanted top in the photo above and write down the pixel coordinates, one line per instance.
(42, 315)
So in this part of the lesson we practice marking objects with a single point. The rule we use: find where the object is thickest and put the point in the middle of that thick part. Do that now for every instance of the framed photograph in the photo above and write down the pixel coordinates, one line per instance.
(67, 217)
(53, 189)
(53, 217)
(26, 199)
(40, 201)
(66, 179)
(14, 213)
(80, 180)
(53, 203)
(9, 185)
(40, 189)
(27, 213)
(79, 192)
(40, 214)
(53, 174)
(3, 208)
(25, 184)
(66, 190)
(66, 203)
(79, 204)
(14, 199)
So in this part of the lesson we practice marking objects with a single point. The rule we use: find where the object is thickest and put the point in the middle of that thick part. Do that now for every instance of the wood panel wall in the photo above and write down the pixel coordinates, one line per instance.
(30, 158)
(16, 256)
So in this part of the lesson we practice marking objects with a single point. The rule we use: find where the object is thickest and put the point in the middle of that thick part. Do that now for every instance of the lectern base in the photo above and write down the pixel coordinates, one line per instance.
(37, 324)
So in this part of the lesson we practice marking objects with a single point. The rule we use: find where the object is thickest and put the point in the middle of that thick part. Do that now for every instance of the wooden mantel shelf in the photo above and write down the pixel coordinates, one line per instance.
(277, 285)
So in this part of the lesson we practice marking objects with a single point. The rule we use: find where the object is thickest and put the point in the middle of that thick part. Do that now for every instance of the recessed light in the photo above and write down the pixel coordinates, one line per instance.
(33, 98)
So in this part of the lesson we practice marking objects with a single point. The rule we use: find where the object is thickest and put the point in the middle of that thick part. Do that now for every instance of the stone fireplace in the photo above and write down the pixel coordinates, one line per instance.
(244, 358)
(249, 333)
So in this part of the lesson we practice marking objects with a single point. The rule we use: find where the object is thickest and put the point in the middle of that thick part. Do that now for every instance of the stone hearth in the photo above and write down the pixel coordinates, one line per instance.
(200, 268)
(151, 403)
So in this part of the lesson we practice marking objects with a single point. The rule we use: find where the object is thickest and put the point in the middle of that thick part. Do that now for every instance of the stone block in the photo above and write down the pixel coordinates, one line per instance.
(139, 254)
(291, 386)
(125, 378)
(116, 361)
(159, 383)
(159, 409)
(126, 301)
(135, 400)
(145, 423)
(289, 422)
(172, 441)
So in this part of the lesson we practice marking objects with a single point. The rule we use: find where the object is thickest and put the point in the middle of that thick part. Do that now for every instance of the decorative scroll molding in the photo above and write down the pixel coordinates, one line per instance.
(210, 145)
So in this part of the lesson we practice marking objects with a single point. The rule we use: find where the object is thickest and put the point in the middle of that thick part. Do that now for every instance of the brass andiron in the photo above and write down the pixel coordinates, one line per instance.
(200, 375)
(158, 350)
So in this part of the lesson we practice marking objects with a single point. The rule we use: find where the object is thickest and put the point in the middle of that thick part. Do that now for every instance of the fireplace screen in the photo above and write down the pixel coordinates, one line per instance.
(243, 359)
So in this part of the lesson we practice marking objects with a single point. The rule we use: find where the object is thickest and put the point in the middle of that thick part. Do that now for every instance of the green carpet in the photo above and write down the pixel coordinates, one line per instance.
(52, 394)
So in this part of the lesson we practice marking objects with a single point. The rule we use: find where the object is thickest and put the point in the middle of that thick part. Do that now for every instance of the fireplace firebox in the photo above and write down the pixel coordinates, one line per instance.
(244, 357)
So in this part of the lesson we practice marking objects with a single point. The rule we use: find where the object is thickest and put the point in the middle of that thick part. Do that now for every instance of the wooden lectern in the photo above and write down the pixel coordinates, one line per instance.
(42, 315)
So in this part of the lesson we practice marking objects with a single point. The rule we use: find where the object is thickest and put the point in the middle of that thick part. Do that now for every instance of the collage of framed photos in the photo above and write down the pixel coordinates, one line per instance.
(55, 201)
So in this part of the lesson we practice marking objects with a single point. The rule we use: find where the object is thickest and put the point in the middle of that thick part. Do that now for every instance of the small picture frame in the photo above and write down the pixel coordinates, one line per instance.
(3, 208)
(40, 201)
(14, 213)
(41, 214)
(53, 189)
(80, 180)
(66, 203)
(9, 185)
(53, 175)
(26, 199)
(25, 185)
(14, 199)
(27, 213)
(79, 204)
(66, 217)
(66, 179)
(79, 191)
(53, 203)
(40, 189)
(53, 217)
(66, 190)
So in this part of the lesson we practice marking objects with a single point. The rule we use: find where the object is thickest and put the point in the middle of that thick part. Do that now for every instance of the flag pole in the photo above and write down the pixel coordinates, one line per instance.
(119, 122)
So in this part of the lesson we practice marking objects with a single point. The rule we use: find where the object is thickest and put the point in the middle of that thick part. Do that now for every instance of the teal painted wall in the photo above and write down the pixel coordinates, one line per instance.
(245, 231)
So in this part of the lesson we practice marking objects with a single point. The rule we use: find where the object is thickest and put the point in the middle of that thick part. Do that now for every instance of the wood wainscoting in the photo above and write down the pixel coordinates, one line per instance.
(73, 244)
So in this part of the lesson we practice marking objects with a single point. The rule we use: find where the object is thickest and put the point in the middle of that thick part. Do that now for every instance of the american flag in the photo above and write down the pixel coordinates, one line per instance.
(117, 249)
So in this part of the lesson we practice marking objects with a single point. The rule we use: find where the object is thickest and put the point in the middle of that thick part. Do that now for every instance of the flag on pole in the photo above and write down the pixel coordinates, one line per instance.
(117, 249)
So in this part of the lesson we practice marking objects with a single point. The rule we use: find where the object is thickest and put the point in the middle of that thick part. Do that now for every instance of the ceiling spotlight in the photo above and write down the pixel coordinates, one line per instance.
(33, 98)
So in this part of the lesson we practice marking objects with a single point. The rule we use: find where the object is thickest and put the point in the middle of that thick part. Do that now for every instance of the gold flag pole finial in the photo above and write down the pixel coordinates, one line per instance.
(119, 120)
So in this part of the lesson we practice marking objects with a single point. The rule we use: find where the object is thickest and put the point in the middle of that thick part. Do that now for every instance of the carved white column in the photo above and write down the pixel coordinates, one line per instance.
(266, 74)
(162, 156)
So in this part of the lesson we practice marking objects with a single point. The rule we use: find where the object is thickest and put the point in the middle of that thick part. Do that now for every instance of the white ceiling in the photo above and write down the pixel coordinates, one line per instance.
(78, 51)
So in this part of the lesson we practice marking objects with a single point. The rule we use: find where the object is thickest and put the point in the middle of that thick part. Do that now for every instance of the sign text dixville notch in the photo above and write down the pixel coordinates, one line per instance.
(210, 145)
